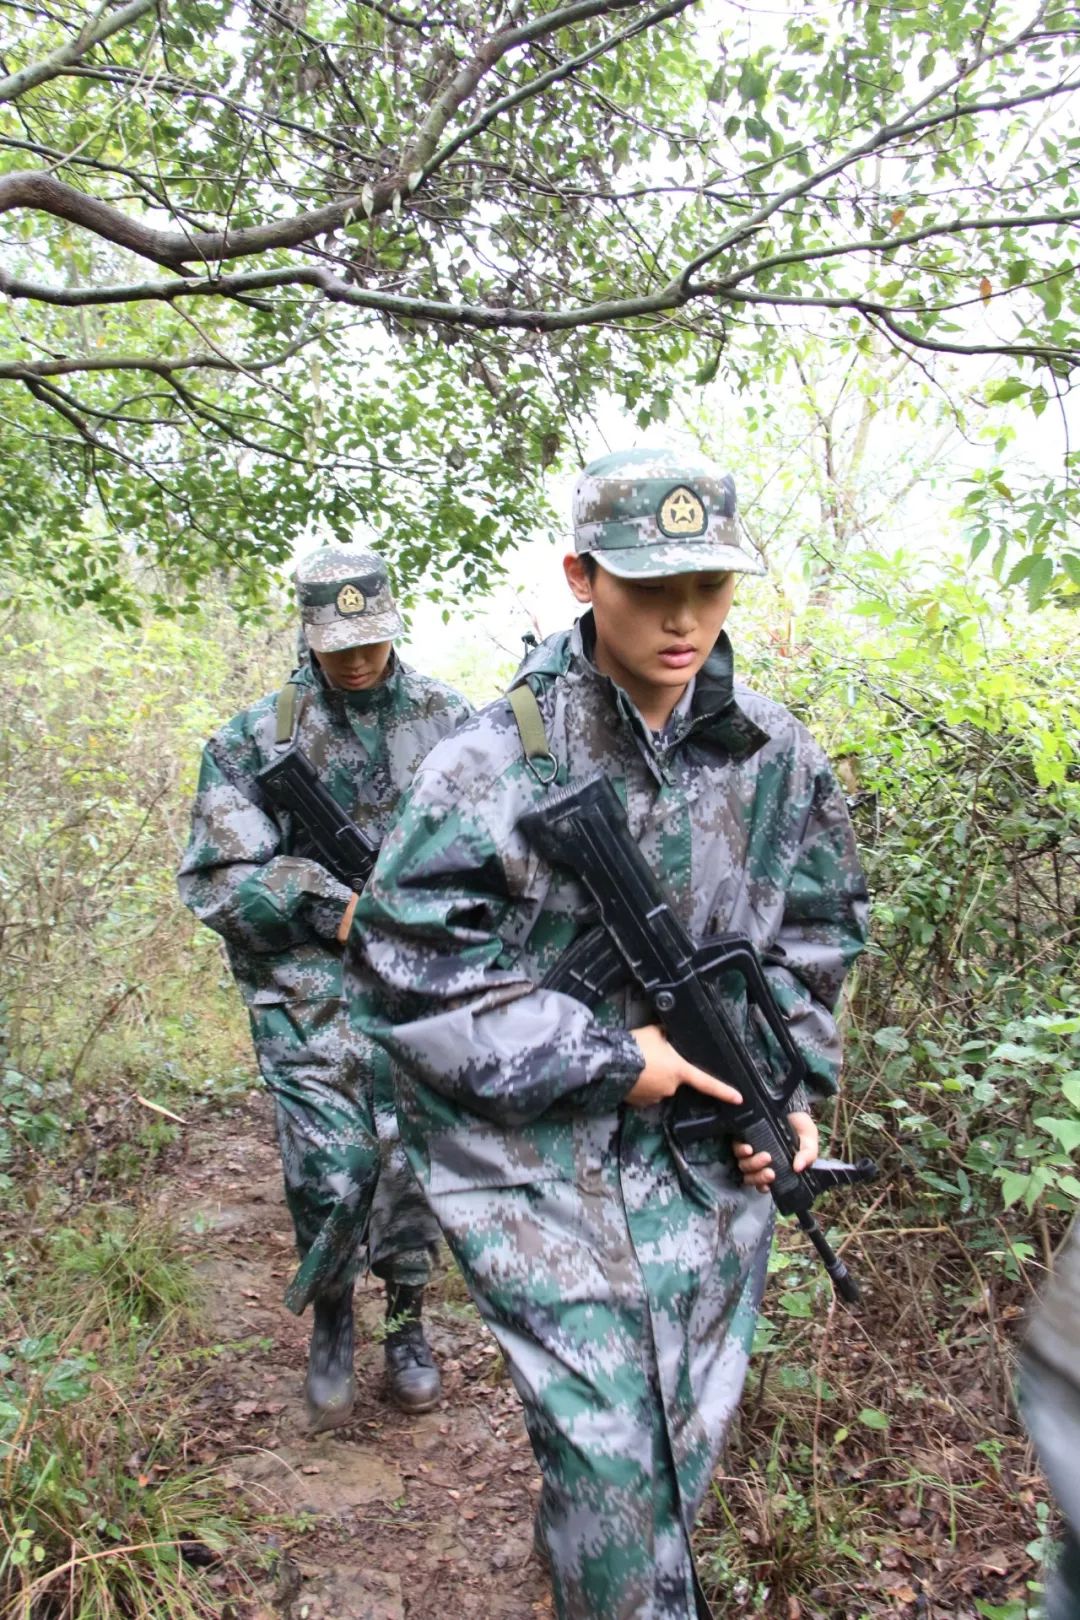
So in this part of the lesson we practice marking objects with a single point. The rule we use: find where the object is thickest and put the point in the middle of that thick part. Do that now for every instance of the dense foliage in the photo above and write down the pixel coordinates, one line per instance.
(955, 730)
(281, 267)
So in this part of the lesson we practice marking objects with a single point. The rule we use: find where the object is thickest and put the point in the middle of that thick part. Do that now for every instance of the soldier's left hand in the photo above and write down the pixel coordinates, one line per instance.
(755, 1166)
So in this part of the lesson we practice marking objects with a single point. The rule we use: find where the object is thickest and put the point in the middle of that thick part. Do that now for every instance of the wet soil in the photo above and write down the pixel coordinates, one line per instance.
(391, 1517)
(876, 1469)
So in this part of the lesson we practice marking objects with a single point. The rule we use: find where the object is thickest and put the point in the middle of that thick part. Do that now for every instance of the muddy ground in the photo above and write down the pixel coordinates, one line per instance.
(430, 1517)
(426, 1517)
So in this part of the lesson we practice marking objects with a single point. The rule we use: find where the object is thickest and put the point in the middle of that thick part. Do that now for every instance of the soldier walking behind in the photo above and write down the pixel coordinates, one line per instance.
(620, 1273)
(365, 721)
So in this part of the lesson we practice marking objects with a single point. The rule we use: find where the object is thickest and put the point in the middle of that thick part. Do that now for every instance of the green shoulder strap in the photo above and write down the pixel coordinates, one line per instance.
(286, 714)
(530, 723)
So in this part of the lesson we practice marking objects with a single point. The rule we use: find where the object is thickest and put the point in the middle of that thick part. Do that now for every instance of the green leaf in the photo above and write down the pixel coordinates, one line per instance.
(1014, 1186)
(1012, 1052)
(1065, 1131)
(1000, 393)
(799, 1304)
(871, 1418)
(1039, 580)
(708, 371)
(717, 90)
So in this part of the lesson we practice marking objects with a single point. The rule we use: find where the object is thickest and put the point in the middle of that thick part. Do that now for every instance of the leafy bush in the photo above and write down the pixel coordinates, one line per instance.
(955, 728)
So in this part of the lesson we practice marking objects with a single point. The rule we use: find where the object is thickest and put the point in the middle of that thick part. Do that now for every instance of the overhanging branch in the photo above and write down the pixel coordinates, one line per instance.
(915, 120)
(890, 244)
(883, 316)
(175, 250)
(468, 76)
(100, 27)
(501, 318)
(544, 81)
(71, 365)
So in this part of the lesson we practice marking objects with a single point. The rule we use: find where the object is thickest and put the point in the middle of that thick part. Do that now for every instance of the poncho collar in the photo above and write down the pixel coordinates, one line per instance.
(715, 717)
(368, 704)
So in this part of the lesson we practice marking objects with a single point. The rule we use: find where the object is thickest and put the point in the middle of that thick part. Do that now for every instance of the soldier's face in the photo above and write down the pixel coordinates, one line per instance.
(354, 669)
(653, 633)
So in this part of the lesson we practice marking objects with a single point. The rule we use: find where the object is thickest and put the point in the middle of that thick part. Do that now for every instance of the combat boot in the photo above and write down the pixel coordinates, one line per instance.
(411, 1372)
(330, 1386)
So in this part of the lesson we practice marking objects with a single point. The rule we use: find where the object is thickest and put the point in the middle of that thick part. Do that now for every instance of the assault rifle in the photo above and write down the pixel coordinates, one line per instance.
(583, 828)
(290, 783)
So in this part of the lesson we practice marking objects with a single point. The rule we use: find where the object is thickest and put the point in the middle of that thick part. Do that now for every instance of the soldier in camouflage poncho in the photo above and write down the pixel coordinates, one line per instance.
(365, 721)
(620, 1275)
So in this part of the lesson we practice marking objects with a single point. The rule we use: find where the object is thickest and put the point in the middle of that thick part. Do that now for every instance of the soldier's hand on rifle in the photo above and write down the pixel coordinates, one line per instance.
(755, 1166)
(665, 1071)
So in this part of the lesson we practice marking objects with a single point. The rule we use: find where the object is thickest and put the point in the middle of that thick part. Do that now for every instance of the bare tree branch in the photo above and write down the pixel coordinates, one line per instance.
(100, 27)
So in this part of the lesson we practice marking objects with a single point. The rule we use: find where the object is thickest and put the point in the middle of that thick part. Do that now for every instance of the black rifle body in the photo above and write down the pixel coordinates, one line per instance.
(583, 828)
(290, 783)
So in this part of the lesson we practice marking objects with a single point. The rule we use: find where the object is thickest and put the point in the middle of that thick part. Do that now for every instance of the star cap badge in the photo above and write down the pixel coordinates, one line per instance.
(681, 513)
(350, 601)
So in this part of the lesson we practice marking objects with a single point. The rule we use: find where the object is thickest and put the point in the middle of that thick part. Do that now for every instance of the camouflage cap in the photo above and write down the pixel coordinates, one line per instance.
(660, 512)
(345, 600)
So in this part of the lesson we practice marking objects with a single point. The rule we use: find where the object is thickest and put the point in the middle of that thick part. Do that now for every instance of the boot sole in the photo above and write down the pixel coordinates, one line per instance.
(415, 1407)
(319, 1421)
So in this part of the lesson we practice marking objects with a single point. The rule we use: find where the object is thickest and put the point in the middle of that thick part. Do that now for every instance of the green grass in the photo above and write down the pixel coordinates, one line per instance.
(101, 1519)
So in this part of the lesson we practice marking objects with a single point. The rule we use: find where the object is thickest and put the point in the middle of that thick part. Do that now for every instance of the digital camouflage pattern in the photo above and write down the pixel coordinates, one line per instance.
(345, 600)
(246, 875)
(1049, 1392)
(620, 1275)
(642, 512)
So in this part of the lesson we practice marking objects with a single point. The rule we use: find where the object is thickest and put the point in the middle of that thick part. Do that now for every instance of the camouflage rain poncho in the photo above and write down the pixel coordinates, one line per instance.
(620, 1275)
(245, 875)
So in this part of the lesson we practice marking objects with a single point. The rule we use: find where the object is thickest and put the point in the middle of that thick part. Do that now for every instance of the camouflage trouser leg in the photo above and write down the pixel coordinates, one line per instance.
(353, 1199)
(624, 1301)
(403, 1231)
(1050, 1404)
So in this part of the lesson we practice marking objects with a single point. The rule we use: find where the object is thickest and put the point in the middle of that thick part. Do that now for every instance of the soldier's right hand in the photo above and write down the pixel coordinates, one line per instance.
(665, 1071)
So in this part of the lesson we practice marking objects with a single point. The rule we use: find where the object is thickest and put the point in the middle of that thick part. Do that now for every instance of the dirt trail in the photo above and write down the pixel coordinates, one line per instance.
(396, 1517)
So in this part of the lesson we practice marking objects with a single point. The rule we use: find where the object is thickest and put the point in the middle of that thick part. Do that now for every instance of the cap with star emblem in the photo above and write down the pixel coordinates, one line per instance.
(345, 599)
(660, 512)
